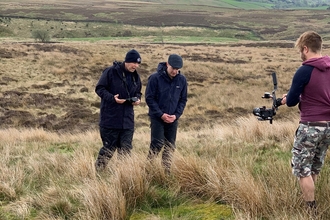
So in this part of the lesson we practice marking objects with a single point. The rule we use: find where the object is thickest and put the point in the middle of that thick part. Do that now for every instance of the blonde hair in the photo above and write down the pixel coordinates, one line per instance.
(311, 40)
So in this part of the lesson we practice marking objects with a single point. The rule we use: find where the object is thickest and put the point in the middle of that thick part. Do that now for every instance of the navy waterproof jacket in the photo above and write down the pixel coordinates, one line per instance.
(112, 114)
(166, 95)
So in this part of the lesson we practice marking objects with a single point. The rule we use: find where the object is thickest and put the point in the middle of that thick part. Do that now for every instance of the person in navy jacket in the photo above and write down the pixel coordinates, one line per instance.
(310, 89)
(119, 88)
(166, 97)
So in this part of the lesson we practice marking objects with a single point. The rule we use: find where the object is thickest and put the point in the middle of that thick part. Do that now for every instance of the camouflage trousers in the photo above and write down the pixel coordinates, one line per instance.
(309, 149)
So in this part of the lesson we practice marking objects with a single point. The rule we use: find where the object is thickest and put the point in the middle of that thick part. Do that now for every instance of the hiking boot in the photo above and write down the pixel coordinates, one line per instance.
(100, 165)
(311, 209)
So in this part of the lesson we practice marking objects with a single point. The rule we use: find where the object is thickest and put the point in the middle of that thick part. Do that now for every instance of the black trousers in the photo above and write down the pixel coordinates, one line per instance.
(115, 139)
(163, 135)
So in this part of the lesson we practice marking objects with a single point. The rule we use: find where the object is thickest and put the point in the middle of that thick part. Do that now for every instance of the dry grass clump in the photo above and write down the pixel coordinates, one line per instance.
(224, 156)
(53, 176)
(103, 200)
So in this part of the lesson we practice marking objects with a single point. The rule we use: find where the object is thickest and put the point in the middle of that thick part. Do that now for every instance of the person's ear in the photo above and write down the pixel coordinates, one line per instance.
(305, 49)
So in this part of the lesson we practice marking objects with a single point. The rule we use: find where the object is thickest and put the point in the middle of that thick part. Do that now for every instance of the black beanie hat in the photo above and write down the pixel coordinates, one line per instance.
(133, 56)
(175, 61)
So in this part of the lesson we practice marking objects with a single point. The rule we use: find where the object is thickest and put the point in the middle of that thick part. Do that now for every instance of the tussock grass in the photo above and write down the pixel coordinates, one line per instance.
(244, 165)
(228, 165)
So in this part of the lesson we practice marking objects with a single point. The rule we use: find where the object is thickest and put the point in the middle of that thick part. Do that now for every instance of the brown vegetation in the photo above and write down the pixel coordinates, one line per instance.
(225, 156)
(267, 24)
(51, 86)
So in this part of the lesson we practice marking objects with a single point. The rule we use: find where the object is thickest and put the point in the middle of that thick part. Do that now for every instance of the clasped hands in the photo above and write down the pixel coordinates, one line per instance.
(168, 118)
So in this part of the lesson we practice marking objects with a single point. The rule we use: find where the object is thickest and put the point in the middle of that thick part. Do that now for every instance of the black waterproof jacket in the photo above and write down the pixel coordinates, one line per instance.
(112, 114)
(166, 95)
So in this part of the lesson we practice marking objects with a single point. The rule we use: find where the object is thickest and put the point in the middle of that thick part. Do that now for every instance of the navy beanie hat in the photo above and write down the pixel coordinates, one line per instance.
(175, 61)
(133, 56)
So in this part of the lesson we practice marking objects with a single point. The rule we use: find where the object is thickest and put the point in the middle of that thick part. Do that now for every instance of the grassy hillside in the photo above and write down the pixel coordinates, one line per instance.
(216, 3)
(228, 165)
(130, 19)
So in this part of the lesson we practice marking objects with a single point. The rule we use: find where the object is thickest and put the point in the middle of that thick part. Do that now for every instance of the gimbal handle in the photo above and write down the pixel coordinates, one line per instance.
(273, 92)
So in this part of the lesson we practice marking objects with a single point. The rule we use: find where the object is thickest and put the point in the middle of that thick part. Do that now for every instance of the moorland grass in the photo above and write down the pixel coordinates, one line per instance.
(228, 165)
(228, 172)
(96, 20)
(93, 31)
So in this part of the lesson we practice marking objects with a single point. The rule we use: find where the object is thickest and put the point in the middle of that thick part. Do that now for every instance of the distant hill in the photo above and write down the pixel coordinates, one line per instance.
(216, 20)
(250, 4)
(293, 3)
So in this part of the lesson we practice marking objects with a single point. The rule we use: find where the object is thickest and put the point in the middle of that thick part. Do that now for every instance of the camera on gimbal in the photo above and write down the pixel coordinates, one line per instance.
(264, 113)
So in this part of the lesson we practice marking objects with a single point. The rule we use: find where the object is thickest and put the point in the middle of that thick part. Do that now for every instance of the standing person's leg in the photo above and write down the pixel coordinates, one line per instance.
(109, 139)
(125, 142)
(157, 137)
(307, 186)
(169, 148)
(321, 139)
(309, 150)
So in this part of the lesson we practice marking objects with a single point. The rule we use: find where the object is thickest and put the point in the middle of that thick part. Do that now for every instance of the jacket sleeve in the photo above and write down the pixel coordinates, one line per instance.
(299, 81)
(151, 97)
(103, 86)
(183, 100)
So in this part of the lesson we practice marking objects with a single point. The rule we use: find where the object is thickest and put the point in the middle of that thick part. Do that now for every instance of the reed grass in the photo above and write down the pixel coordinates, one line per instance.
(228, 165)
(244, 166)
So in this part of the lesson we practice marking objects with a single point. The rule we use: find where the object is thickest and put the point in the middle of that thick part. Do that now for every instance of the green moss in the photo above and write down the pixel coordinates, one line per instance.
(63, 148)
(188, 211)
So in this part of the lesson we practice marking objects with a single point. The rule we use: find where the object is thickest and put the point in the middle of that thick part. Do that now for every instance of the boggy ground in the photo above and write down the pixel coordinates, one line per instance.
(27, 103)
(51, 86)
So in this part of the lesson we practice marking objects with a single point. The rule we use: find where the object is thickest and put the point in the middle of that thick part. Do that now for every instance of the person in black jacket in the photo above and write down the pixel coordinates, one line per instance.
(166, 97)
(119, 89)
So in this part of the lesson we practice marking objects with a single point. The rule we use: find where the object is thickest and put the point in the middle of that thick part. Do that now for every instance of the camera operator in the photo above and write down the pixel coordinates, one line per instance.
(120, 89)
(310, 88)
